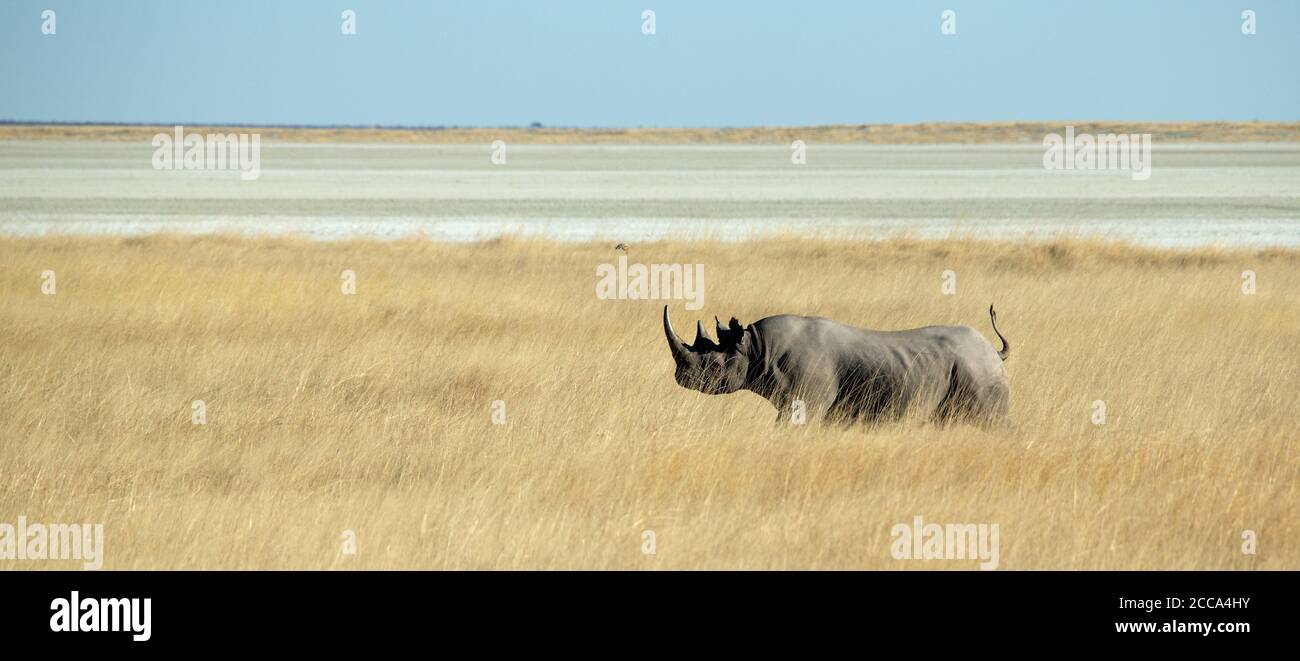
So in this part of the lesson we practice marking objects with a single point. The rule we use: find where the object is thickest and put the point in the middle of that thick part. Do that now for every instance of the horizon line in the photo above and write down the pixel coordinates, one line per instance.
(538, 126)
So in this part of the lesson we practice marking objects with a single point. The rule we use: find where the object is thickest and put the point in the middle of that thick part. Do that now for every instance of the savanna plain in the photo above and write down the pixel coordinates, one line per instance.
(373, 412)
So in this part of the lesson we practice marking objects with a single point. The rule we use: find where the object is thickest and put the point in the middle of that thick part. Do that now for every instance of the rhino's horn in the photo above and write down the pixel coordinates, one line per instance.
(702, 339)
(675, 343)
(721, 331)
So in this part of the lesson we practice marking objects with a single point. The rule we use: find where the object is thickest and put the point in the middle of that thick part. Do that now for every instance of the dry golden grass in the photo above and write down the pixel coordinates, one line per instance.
(925, 133)
(371, 412)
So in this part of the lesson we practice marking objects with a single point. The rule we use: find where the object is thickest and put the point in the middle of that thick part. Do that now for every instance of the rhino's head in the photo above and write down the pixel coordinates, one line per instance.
(715, 368)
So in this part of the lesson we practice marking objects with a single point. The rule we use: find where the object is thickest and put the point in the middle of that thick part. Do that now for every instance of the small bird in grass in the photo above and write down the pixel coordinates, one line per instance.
(621, 246)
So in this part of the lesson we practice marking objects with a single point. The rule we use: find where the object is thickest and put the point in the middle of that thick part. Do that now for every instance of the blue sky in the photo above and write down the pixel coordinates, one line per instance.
(586, 63)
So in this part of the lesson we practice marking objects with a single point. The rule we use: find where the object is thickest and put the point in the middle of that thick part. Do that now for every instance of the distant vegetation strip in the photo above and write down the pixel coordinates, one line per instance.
(924, 133)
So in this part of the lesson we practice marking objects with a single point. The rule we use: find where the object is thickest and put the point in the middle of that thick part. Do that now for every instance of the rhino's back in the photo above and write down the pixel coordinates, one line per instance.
(818, 340)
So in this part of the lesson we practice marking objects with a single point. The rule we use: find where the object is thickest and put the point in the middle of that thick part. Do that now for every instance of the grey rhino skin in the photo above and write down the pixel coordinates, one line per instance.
(845, 374)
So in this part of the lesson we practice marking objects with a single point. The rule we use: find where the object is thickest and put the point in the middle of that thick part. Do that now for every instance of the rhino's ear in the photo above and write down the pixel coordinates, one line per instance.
(731, 334)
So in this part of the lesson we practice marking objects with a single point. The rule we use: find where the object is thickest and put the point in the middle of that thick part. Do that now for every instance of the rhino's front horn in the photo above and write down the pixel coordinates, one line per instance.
(675, 343)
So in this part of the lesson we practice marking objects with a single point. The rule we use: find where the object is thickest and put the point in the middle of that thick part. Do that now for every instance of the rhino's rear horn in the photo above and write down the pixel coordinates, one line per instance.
(702, 340)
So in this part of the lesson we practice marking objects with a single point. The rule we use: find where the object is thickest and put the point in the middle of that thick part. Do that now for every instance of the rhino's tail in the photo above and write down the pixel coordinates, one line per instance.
(1006, 346)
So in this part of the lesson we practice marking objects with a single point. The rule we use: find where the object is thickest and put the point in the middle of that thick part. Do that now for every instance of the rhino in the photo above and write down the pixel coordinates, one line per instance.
(841, 374)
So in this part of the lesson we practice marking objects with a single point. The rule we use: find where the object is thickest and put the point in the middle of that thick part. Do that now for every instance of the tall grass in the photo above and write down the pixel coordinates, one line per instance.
(371, 413)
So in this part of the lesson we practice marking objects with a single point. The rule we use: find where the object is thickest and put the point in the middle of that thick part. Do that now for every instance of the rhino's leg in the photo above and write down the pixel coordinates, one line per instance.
(977, 399)
(956, 397)
(818, 400)
(809, 409)
(971, 396)
(993, 403)
(819, 411)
